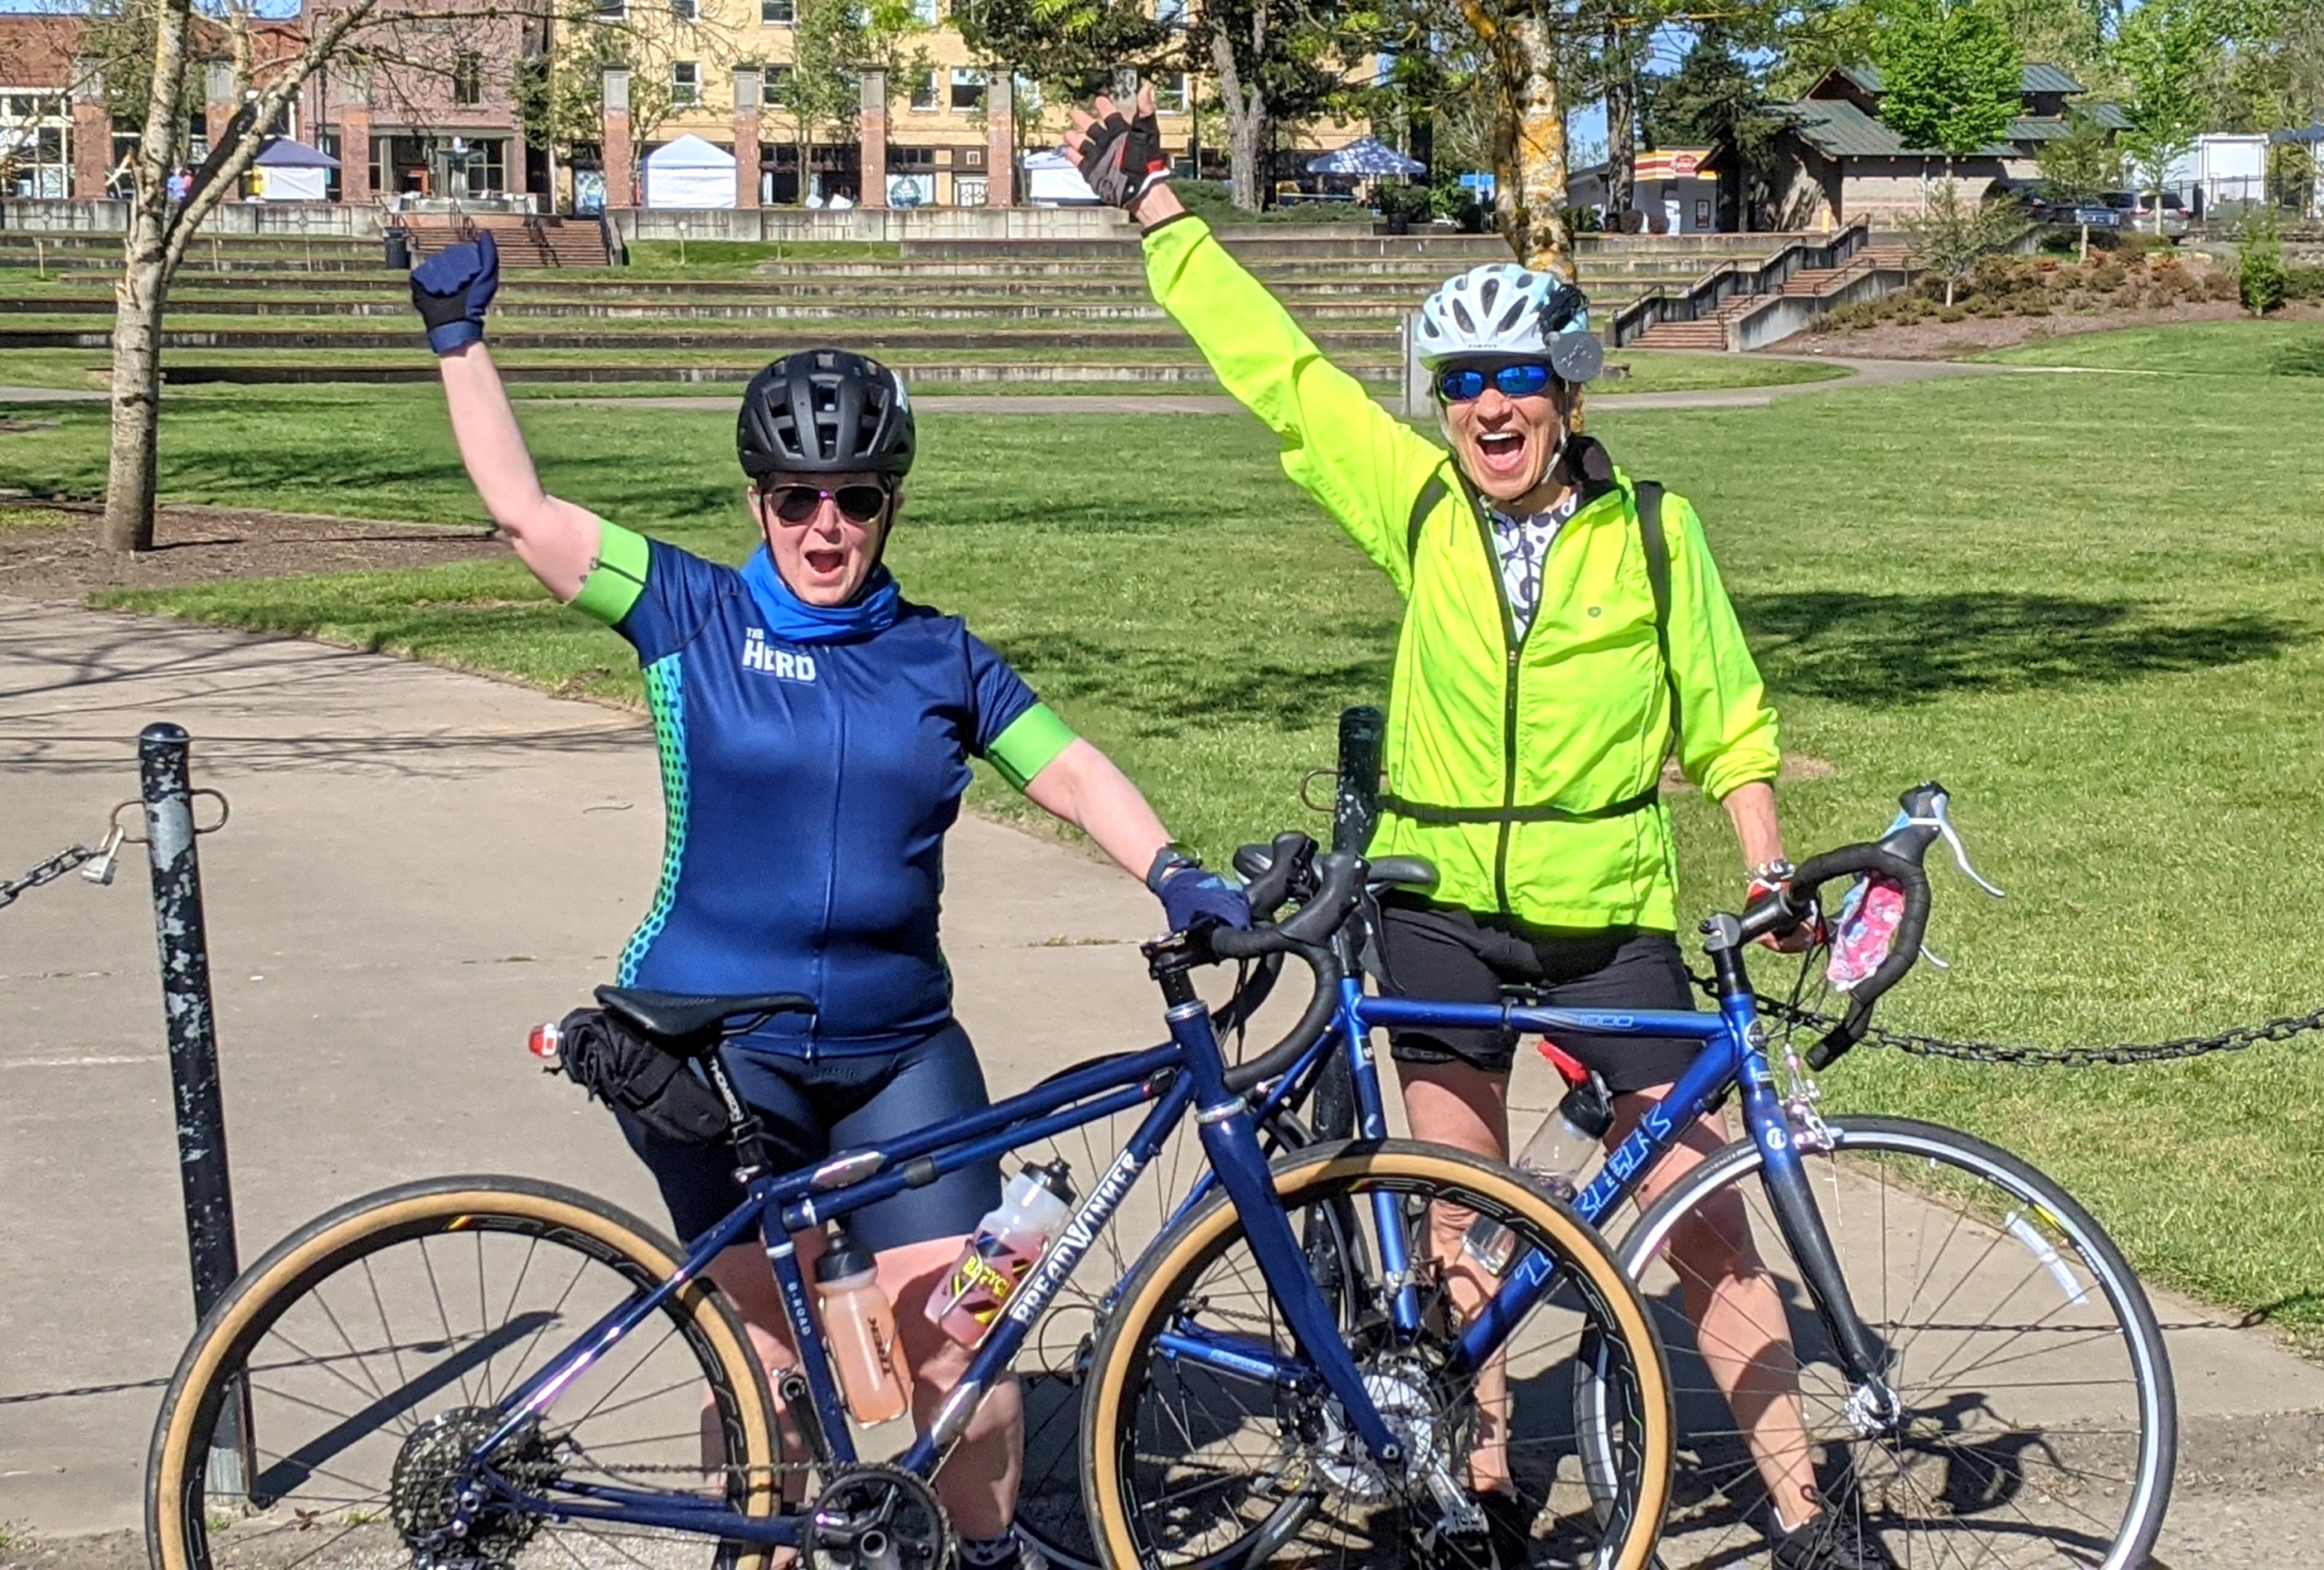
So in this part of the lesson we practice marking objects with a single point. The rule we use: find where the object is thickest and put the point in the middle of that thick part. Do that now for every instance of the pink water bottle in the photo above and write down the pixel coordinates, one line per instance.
(1007, 1244)
(1865, 931)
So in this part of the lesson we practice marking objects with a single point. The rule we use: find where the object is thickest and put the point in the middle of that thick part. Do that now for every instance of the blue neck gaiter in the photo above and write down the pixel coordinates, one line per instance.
(793, 621)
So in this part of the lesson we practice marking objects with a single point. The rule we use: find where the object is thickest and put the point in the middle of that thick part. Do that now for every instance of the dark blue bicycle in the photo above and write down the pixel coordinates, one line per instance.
(1977, 1376)
(477, 1373)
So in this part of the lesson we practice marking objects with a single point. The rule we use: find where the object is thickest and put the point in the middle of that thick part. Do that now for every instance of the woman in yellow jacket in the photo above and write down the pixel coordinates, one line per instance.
(1550, 647)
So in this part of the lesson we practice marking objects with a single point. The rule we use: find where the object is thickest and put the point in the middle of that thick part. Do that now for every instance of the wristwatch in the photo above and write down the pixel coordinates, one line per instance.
(1770, 876)
(1171, 858)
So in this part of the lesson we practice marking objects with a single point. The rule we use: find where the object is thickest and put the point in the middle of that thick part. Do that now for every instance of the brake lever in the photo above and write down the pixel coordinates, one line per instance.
(1941, 820)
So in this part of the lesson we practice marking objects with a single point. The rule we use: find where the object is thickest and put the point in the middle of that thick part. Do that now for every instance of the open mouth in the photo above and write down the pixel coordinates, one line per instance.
(825, 563)
(1502, 452)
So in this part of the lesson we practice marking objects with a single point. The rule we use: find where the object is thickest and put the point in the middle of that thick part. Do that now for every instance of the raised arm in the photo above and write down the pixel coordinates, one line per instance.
(1362, 464)
(556, 539)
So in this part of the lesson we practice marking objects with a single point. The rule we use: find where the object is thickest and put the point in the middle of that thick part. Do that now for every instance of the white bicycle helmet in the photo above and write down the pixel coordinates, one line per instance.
(1501, 310)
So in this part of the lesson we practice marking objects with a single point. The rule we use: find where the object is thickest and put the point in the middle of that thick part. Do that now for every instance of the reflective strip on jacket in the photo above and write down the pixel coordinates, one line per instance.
(1550, 738)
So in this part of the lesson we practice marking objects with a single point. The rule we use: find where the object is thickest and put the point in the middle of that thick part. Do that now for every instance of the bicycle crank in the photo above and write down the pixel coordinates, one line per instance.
(876, 1517)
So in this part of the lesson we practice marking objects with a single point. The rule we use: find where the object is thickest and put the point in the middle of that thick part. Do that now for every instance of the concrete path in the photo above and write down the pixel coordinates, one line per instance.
(420, 865)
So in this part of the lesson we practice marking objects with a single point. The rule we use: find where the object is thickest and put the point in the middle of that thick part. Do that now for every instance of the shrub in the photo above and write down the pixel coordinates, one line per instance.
(2303, 283)
(2260, 268)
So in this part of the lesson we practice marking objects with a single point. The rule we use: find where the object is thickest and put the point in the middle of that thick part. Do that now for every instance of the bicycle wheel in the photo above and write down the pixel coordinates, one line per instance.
(1055, 1361)
(2034, 1423)
(363, 1356)
(1183, 1465)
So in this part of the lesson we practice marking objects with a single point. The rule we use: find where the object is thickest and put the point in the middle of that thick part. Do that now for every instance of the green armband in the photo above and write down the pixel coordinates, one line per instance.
(617, 576)
(1029, 746)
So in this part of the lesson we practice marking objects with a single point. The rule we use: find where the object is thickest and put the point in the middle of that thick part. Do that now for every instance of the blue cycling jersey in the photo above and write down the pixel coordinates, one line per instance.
(808, 789)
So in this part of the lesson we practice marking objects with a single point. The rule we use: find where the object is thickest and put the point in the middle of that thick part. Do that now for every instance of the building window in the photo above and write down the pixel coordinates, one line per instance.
(468, 79)
(924, 11)
(685, 10)
(327, 142)
(686, 82)
(777, 79)
(1170, 94)
(613, 10)
(912, 158)
(972, 157)
(968, 88)
(32, 153)
(778, 13)
(1170, 12)
(923, 90)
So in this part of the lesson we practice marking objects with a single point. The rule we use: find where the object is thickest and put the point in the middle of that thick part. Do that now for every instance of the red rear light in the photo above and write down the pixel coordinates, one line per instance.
(546, 1043)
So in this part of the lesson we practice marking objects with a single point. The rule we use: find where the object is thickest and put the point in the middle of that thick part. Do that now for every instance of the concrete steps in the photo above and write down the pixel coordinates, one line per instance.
(523, 240)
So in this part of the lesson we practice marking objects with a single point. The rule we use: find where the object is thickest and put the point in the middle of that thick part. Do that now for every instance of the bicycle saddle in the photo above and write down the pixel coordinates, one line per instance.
(683, 1016)
(1417, 874)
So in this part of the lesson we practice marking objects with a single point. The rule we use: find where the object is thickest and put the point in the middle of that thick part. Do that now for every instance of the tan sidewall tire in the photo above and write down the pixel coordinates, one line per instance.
(1103, 1411)
(445, 1198)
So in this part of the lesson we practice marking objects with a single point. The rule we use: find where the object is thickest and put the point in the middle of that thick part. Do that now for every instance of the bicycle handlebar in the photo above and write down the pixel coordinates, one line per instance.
(1309, 935)
(1896, 857)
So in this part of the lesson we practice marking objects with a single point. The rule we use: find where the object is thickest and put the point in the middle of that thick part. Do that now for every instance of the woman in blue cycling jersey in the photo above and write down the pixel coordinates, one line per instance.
(814, 728)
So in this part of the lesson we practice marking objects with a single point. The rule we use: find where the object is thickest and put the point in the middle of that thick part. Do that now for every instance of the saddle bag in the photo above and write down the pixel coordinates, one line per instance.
(631, 1074)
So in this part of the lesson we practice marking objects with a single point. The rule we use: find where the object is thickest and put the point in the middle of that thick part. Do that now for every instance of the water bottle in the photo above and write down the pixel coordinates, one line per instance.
(1560, 1150)
(860, 1328)
(1007, 1243)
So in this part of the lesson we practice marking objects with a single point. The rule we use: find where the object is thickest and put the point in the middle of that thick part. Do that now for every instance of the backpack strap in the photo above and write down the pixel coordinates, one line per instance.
(1649, 493)
(1424, 503)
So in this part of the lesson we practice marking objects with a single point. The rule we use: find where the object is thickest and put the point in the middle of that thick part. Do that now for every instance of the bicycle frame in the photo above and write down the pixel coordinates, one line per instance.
(1186, 1072)
(1732, 1058)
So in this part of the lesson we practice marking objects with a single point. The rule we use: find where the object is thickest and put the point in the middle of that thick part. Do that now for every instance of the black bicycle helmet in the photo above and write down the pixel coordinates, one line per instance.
(824, 412)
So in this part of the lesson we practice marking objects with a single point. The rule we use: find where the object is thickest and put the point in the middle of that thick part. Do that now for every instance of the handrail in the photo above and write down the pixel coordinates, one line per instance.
(1727, 280)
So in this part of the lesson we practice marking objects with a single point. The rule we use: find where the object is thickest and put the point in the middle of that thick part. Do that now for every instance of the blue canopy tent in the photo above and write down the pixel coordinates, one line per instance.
(1365, 157)
(292, 170)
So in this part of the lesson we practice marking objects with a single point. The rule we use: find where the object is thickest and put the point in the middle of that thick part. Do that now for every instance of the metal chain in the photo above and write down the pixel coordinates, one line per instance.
(2242, 1038)
(48, 871)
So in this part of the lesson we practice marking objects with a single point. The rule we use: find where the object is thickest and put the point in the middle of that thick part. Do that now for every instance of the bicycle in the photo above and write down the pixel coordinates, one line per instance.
(1959, 1411)
(425, 1371)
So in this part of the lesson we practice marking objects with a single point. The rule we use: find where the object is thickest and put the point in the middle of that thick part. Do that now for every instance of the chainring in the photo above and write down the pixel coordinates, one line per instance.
(875, 1517)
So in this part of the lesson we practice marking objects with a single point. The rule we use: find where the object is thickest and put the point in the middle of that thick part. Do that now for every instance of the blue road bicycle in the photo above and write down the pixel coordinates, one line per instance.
(1981, 1380)
(480, 1373)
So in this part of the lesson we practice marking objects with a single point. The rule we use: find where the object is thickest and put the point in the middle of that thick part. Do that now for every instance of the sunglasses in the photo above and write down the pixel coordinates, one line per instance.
(1465, 384)
(800, 503)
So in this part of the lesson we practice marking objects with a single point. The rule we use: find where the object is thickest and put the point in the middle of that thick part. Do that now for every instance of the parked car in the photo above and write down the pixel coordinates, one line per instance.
(2136, 211)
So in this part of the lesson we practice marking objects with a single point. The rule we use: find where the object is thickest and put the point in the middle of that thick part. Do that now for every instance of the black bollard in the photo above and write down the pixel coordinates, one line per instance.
(162, 765)
(1356, 809)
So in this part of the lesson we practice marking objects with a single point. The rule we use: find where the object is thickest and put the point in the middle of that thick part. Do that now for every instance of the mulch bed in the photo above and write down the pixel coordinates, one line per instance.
(49, 550)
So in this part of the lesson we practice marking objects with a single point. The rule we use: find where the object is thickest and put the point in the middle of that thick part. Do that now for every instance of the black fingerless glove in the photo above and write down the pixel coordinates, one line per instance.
(1123, 160)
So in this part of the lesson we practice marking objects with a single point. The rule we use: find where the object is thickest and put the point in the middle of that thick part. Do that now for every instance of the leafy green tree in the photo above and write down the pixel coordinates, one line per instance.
(2168, 51)
(831, 40)
(2081, 165)
(2260, 266)
(1066, 48)
(1713, 100)
(1950, 75)
(1276, 63)
(1952, 236)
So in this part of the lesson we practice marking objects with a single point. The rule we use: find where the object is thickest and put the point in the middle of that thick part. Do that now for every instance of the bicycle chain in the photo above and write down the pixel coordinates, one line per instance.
(48, 872)
(2241, 1039)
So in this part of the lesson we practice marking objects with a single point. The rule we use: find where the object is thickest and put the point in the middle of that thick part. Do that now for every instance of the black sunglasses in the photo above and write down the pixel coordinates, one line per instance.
(861, 503)
(1466, 383)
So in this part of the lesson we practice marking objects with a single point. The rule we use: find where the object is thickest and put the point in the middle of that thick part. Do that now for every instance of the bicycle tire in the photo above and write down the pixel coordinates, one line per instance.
(1052, 1368)
(218, 1364)
(2026, 1232)
(1350, 1173)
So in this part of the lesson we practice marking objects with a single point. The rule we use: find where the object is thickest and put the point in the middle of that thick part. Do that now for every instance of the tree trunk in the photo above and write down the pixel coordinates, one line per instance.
(1530, 148)
(1621, 129)
(136, 392)
(1246, 118)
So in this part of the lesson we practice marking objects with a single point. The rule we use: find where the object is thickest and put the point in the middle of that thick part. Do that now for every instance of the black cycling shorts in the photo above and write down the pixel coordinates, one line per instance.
(811, 1108)
(1438, 951)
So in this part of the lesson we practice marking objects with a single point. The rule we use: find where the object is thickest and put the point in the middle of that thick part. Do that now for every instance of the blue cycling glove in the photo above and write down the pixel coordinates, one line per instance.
(1194, 897)
(452, 289)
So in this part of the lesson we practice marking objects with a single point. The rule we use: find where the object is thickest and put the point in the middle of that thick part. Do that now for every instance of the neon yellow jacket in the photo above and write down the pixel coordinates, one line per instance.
(1523, 769)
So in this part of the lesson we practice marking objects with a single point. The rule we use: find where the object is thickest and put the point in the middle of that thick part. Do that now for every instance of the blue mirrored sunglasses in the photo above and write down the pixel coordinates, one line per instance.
(1464, 384)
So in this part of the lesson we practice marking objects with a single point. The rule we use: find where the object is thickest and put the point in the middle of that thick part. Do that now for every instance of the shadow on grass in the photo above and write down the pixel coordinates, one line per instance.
(1885, 649)
(1172, 686)
(2301, 357)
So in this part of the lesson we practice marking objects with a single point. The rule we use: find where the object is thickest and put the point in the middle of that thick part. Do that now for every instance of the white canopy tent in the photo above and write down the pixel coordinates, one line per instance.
(290, 171)
(689, 172)
(1051, 180)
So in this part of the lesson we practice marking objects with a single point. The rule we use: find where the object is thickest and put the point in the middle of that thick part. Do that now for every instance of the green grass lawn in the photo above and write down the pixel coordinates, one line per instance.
(740, 258)
(2251, 348)
(1950, 579)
